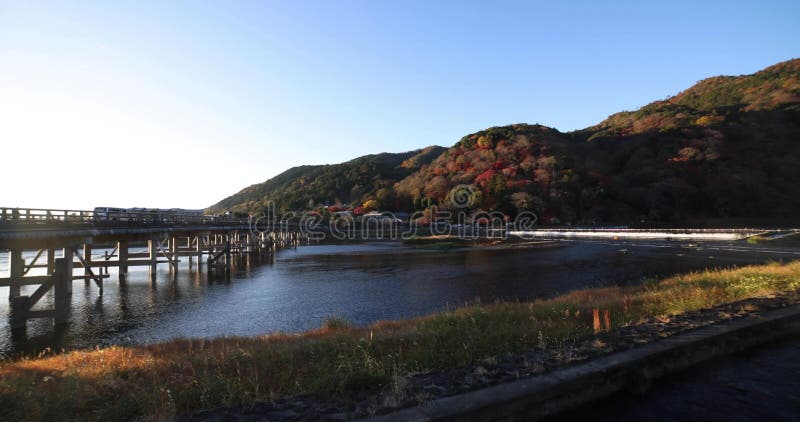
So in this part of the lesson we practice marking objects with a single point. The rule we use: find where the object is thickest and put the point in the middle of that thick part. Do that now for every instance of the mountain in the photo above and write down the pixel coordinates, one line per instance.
(501, 164)
(356, 181)
(726, 148)
(709, 101)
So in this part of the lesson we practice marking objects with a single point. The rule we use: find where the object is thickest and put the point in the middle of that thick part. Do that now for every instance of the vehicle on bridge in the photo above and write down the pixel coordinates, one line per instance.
(148, 215)
(110, 214)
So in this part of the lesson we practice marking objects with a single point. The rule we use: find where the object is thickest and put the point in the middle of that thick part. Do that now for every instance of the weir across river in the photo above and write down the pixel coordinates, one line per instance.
(62, 241)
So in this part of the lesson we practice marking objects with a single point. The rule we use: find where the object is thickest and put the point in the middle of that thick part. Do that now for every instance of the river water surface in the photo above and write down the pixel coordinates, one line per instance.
(363, 283)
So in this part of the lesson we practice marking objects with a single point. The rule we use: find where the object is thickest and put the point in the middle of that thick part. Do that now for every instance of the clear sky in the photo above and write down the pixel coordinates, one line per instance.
(179, 104)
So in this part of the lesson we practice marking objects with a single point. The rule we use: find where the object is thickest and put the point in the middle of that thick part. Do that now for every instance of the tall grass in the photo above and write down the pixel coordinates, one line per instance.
(183, 375)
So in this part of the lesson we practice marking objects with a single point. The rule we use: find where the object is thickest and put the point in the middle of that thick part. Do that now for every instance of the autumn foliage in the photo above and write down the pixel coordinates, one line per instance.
(725, 148)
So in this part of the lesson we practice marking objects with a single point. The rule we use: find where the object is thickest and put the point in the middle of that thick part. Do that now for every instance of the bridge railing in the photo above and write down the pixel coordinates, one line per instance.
(45, 215)
(41, 216)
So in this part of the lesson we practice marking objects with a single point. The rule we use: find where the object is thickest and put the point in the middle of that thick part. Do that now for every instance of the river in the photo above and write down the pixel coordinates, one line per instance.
(362, 282)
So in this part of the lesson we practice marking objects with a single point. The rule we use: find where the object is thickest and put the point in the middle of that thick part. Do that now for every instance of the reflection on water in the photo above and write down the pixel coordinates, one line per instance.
(361, 282)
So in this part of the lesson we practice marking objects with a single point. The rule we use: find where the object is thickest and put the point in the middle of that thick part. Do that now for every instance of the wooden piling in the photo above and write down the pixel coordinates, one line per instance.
(152, 252)
(51, 261)
(173, 252)
(67, 255)
(60, 281)
(16, 269)
(122, 253)
(228, 257)
(87, 257)
(19, 313)
(62, 278)
(199, 251)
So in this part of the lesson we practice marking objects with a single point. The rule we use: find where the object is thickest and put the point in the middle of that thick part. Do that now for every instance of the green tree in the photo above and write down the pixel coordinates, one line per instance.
(370, 205)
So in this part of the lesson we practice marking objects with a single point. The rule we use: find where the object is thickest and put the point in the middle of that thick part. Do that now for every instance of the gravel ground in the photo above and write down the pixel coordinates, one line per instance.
(419, 388)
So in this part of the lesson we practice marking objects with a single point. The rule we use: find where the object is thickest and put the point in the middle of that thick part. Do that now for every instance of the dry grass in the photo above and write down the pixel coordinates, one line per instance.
(159, 381)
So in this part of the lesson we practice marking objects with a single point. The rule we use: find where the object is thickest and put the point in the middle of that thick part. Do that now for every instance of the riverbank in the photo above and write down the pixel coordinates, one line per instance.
(368, 369)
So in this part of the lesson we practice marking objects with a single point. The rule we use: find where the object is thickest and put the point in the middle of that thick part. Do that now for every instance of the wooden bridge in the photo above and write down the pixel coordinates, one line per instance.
(61, 242)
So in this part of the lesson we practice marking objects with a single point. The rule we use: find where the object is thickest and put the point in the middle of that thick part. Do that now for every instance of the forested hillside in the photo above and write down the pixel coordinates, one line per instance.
(304, 187)
(726, 148)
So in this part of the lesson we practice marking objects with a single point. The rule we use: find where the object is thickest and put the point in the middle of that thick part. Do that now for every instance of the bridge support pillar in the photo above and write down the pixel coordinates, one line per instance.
(68, 252)
(199, 251)
(87, 257)
(153, 258)
(188, 248)
(173, 253)
(51, 261)
(19, 313)
(16, 269)
(62, 280)
(122, 250)
(228, 257)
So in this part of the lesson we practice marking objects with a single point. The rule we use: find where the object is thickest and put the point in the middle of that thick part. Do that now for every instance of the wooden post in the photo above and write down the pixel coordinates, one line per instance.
(122, 250)
(228, 257)
(151, 249)
(168, 250)
(87, 257)
(210, 257)
(68, 252)
(51, 261)
(62, 278)
(188, 248)
(19, 304)
(173, 252)
(16, 268)
(199, 251)
(19, 313)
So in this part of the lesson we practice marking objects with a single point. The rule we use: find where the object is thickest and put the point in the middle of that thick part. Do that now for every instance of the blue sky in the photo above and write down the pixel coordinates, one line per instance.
(178, 104)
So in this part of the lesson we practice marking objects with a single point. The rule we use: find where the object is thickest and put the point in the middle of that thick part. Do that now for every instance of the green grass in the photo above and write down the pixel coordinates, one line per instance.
(754, 240)
(161, 380)
(441, 243)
